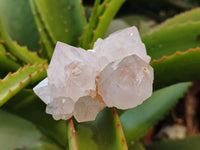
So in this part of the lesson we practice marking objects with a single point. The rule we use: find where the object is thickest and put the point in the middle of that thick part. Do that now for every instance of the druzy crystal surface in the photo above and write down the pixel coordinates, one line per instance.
(80, 83)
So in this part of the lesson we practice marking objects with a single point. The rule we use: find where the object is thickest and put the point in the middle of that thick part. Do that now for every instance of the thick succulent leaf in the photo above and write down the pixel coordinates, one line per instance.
(28, 57)
(103, 133)
(167, 41)
(137, 120)
(3, 57)
(46, 44)
(11, 134)
(20, 134)
(15, 82)
(111, 8)
(7, 64)
(19, 22)
(20, 52)
(9, 55)
(100, 19)
(63, 19)
(176, 144)
(188, 16)
(179, 67)
(87, 35)
(27, 105)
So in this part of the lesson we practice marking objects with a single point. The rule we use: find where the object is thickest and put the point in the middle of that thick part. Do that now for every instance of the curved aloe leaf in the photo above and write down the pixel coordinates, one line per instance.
(103, 133)
(7, 64)
(111, 9)
(167, 41)
(17, 133)
(183, 144)
(87, 35)
(137, 120)
(12, 136)
(179, 67)
(20, 52)
(188, 16)
(27, 105)
(47, 45)
(64, 19)
(99, 21)
(19, 22)
(15, 82)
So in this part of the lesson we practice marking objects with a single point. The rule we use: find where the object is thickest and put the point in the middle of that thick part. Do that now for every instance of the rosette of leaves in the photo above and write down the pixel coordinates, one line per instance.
(173, 46)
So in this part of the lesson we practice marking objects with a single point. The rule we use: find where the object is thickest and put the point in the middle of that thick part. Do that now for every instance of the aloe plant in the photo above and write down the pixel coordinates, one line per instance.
(173, 46)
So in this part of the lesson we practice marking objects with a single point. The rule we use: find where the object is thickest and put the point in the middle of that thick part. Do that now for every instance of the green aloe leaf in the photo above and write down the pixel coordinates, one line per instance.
(180, 67)
(27, 105)
(15, 82)
(138, 120)
(168, 40)
(6, 63)
(18, 51)
(11, 135)
(99, 21)
(188, 16)
(46, 44)
(17, 133)
(175, 34)
(103, 133)
(111, 8)
(64, 19)
(19, 22)
(175, 144)
(87, 35)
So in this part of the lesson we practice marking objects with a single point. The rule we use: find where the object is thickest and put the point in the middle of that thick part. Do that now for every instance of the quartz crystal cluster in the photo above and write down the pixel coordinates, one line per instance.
(80, 83)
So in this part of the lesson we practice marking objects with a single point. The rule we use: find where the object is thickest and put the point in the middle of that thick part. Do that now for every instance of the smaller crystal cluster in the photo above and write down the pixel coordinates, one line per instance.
(115, 73)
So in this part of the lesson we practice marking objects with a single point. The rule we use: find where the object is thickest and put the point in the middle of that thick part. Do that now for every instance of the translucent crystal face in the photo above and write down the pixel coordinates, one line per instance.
(119, 45)
(87, 108)
(126, 83)
(116, 73)
(79, 79)
(61, 106)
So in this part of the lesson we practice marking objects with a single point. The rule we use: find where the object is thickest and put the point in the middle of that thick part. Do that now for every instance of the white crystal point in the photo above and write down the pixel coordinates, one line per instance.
(126, 83)
(80, 80)
(61, 108)
(86, 109)
(72, 69)
(121, 44)
(43, 91)
(63, 55)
